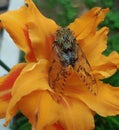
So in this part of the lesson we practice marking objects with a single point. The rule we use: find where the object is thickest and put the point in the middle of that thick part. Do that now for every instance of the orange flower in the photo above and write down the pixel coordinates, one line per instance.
(59, 86)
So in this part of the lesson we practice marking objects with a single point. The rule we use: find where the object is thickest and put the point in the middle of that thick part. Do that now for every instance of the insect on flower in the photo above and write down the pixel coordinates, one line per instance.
(66, 55)
(62, 73)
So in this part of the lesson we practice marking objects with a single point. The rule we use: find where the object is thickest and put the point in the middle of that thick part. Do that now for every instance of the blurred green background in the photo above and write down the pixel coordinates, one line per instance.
(64, 12)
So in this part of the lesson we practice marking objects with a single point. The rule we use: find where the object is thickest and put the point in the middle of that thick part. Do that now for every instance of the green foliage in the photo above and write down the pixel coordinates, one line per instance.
(113, 44)
(62, 11)
(101, 3)
(20, 122)
(108, 123)
(113, 80)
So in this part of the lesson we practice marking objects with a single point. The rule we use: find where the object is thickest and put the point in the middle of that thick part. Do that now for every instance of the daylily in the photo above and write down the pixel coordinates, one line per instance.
(26, 86)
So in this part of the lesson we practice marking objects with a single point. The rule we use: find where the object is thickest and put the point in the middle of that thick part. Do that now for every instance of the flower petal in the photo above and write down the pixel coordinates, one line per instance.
(106, 99)
(105, 103)
(107, 66)
(31, 31)
(93, 47)
(6, 84)
(41, 32)
(88, 22)
(48, 114)
(33, 77)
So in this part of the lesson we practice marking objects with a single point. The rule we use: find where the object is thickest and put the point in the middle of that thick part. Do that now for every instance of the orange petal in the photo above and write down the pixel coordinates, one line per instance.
(41, 32)
(33, 77)
(31, 31)
(47, 114)
(107, 66)
(88, 22)
(6, 84)
(105, 103)
(93, 46)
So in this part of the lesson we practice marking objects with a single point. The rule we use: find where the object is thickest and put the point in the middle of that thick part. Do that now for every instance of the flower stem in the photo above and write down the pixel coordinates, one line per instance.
(4, 65)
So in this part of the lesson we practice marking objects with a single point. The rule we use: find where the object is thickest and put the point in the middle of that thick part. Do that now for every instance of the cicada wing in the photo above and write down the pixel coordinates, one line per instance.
(84, 71)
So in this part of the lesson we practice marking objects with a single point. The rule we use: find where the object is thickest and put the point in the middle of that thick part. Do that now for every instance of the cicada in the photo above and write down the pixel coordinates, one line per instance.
(66, 52)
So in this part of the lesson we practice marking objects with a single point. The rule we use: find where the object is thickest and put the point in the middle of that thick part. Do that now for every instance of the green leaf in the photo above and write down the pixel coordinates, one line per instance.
(113, 80)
